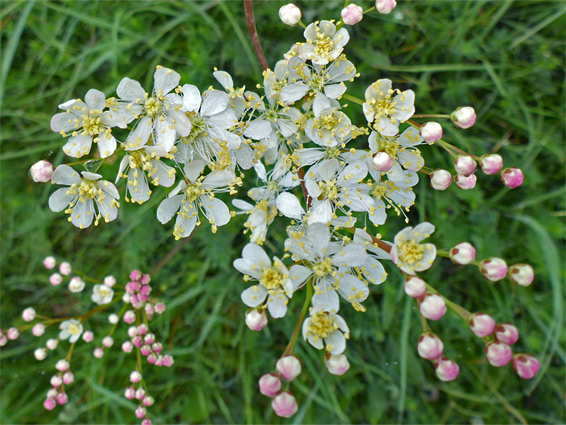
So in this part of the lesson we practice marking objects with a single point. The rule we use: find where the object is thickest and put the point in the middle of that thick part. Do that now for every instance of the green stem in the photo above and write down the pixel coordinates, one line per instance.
(460, 311)
(291, 345)
(431, 116)
(353, 99)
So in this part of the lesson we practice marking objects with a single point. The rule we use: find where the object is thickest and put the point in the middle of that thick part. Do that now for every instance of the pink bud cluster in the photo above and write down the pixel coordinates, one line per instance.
(141, 338)
(137, 392)
(138, 289)
(495, 269)
(431, 306)
(430, 347)
(284, 403)
(56, 394)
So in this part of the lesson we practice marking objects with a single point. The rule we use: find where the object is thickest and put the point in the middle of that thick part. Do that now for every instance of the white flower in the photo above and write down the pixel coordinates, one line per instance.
(409, 254)
(70, 329)
(372, 270)
(138, 163)
(329, 127)
(324, 43)
(194, 194)
(276, 283)
(324, 328)
(102, 294)
(89, 123)
(386, 108)
(160, 113)
(76, 284)
(401, 148)
(328, 264)
(80, 198)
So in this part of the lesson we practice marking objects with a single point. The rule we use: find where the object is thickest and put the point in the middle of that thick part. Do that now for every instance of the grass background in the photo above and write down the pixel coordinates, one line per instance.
(506, 58)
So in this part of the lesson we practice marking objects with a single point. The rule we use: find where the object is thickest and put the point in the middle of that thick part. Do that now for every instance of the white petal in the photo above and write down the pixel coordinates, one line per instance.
(130, 90)
(325, 296)
(59, 200)
(185, 225)
(289, 205)
(258, 129)
(106, 145)
(165, 80)
(293, 92)
(336, 341)
(352, 289)
(95, 99)
(277, 306)
(214, 102)
(353, 255)
(299, 274)
(139, 136)
(164, 133)
(193, 169)
(256, 255)
(334, 91)
(321, 213)
(215, 210)
(224, 79)
(168, 208)
(191, 98)
(63, 121)
(254, 295)
(78, 146)
(83, 214)
(64, 174)
(423, 231)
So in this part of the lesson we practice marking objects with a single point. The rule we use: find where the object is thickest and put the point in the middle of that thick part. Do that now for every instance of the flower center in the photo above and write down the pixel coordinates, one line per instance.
(332, 152)
(74, 329)
(193, 191)
(323, 45)
(140, 159)
(327, 122)
(391, 148)
(152, 106)
(92, 123)
(329, 189)
(198, 128)
(89, 190)
(321, 325)
(271, 278)
(411, 251)
(323, 268)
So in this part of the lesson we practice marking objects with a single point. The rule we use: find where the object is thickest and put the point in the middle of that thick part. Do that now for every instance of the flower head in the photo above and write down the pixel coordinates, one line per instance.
(102, 294)
(324, 328)
(324, 43)
(71, 330)
(409, 254)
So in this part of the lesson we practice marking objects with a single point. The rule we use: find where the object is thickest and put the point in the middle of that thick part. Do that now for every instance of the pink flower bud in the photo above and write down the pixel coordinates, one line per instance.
(49, 404)
(132, 331)
(440, 179)
(12, 334)
(159, 308)
(137, 341)
(167, 360)
(135, 275)
(41, 171)
(464, 117)
(108, 341)
(464, 165)
(415, 287)
(52, 343)
(88, 336)
(522, 274)
(256, 320)
(68, 378)
(65, 269)
(512, 177)
(143, 329)
(269, 384)
(432, 307)
(497, 353)
(149, 309)
(129, 317)
(525, 365)
(482, 324)
(56, 381)
(146, 421)
(337, 364)
(290, 14)
(145, 350)
(135, 377)
(62, 365)
(463, 253)
(285, 405)
(148, 401)
(140, 412)
(430, 346)
(352, 14)
(152, 358)
(113, 318)
(110, 281)
(3, 339)
(431, 132)
(38, 329)
(98, 352)
(145, 279)
(466, 182)
(446, 370)
(130, 393)
(52, 393)
(491, 164)
(506, 333)
(127, 347)
(382, 161)
(49, 262)
(157, 347)
(62, 398)
(385, 6)
(140, 394)
(493, 269)
(289, 367)
(55, 279)
(40, 354)
(149, 339)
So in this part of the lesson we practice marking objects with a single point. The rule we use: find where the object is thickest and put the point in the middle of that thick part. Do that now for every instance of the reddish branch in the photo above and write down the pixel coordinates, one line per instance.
(249, 10)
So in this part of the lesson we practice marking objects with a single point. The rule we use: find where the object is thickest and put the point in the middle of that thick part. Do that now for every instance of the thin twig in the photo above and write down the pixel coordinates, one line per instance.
(250, 20)
(171, 253)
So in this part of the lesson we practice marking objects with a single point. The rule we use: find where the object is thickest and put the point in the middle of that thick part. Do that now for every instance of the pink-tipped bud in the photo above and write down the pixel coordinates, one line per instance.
(493, 269)
(431, 132)
(130, 393)
(140, 394)
(52, 344)
(506, 333)
(55, 279)
(149, 339)
(98, 352)
(40, 354)
(135, 275)
(385, 6)
(12, 334)
(133, 331)
(110, 281)
(168, 360)
(285, 405)
(290, 14)
(56, 381)
(415, 287)
(522, 274)
(446, 370)
(337, 364)
(49, 262)
(159, 308)
(512, 177)
(145, 350)
(127, 347)
(430, 346)
(28, 314)
(62, 398)
(269, 384)
(149, 309)
(88, 336)
(108, 341)
(145, 279)
(41, 171)
(143, 329)
(525, 365)
(68, 378)
(52, 392)
(38, 329)
(65, 269)
(352, 14)
(140, 412)
(432, 307)
(463, 117)
(464, 165)
(148, 401)
(129, 317)
(76, 284)
(289, 367)
(497, 353)
(135, 377)
(146, 421)
(137, 341)
(3, 339)
(491, 164)
(481, 324)
(382, 161)
(152, 358)
(256, 320)
(463, 253)
(49, 404)
(440, 179)
(157, 347)
(62, 365)
(466, 182)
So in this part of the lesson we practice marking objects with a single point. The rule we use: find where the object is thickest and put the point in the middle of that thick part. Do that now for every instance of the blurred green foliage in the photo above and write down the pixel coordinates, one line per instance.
(506, 58)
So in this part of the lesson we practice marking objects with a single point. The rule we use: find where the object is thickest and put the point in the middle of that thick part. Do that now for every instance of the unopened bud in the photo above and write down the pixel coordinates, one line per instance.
(506, 333)
(497, 353)
(28, 314)
(432, 307)
(464, 117)
(522, 274)
(446, 370)
(337, 364)
(352, 14)
(269, 384)
(76, 284)
(440, 179)
(289, 367)
(135, 377)
(290, 14)
(40, 354)
(41, 171)
(491, 164)
(55, 279)
(512, 177)
(285, 405)
(140, 412)
(49, 262)
(38, 329)
(481, 324)
(382, 161)
(62, 365)
(49, 404)
(88, 336)
(385, 6)
(12, 334)
(493, 269)
(110, 281)
(430, 346)
(256, 320)
(68, 378)
(415, 287)
(466, 182)
(52, 344)
(65, 269)
(464, 165)
(463, 253)
(525, 365)
(98, 352)
(431, 132)
(108, 341)
(130, 393)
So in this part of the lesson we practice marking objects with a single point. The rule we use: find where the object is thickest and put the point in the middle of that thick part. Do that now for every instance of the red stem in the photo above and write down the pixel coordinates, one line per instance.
(249, 10)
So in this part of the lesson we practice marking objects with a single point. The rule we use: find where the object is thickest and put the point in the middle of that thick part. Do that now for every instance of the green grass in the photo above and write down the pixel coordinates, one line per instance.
(506, 58)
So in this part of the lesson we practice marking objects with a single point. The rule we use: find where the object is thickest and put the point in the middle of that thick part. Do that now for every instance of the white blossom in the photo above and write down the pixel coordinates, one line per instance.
(326, 329)
(70, 329)
(409, 254)
(102, 294)
(323, 43)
